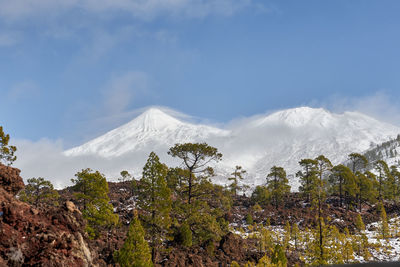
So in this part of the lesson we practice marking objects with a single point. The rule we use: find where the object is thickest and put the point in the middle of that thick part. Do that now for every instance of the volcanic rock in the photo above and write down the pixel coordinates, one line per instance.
(51, 236)
(10, 180)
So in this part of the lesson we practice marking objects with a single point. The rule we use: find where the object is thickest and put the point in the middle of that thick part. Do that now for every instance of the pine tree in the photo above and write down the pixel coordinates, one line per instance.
(287, 236)
(384, 232)
(361, 239)
(347, 250)
(358, 162)
(396, 176)
(39, 190)
(249, 219)
(176, 179)
(155, 202)
(237, 176)
(266, 242)
(127, 177)
(260, 195)
(198, 202)
(360, 226)
(336, 245)
(195, 158)
(320, 248)
(278, 256)
(358, 165)
(277, 185)
(342, 181)
(323, 165)
(92, 191)
(185, 235)
(383, 175)
(365, 188)
(6, 151)
(308, 178)
(295, 236)
(135, 252)
(365, 247)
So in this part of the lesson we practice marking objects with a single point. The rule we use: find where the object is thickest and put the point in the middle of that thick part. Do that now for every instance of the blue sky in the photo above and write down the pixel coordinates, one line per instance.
(72, 70)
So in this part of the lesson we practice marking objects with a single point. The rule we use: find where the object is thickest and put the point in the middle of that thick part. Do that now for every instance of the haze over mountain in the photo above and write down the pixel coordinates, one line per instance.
(257, 143)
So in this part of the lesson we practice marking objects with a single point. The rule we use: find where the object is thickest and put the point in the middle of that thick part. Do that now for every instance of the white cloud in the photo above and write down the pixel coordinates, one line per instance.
(142, 9)
(379, 105)
(44, 158)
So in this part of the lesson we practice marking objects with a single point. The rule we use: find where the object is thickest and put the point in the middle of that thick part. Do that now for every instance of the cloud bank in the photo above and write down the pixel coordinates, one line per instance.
(379, 105)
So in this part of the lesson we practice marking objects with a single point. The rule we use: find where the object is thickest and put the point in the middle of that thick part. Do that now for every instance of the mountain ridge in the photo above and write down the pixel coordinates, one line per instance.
(282, 138)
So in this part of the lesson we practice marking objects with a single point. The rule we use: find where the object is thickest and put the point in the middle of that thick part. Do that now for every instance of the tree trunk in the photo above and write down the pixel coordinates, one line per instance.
(190, 186)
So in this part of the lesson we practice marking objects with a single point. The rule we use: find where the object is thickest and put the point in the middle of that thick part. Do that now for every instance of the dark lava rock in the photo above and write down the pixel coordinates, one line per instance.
(53, 236)
(10, 180)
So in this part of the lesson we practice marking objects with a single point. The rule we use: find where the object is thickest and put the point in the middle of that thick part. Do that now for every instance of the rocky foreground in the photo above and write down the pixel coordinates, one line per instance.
(39, 237)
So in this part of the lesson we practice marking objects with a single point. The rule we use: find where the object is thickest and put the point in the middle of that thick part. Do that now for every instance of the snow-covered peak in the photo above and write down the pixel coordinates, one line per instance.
(297, 117)
(151, 130)
(152, 119)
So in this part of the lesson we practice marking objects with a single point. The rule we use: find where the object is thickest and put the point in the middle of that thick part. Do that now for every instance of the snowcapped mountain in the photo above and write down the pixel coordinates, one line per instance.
(282, 138)
(151, 130)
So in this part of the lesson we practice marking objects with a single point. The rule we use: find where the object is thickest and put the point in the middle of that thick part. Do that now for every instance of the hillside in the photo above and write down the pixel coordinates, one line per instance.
(388, 151)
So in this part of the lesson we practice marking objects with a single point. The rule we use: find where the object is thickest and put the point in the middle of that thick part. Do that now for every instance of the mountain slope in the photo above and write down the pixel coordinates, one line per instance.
(150, 130)
(282, 138)
(388, 151)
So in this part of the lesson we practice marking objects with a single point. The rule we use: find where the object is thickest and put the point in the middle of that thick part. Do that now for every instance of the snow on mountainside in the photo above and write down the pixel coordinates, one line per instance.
(388, 151)
(282, 138)
(148, 131)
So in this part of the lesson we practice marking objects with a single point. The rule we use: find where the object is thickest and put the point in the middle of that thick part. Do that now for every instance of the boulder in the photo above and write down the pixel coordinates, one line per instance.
(10, 180)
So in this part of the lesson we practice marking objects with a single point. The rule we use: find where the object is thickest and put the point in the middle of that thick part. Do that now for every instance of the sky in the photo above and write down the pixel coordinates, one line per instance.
(70, 70)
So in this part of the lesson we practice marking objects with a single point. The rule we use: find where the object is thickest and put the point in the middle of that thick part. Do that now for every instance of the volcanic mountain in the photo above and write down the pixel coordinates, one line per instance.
(149, 131)
(282, 138)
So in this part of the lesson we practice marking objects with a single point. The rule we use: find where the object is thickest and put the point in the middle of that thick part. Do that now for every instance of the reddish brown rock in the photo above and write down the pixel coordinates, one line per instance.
(10, 180)
(232, 246)
(53, 236)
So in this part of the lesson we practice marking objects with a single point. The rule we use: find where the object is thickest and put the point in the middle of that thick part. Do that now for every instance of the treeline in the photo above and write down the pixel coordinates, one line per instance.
(354, 185)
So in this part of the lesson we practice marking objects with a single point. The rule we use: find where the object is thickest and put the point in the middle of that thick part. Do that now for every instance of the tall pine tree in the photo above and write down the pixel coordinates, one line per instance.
(196, 158)
(236, 176)
(155, 202)
(342, 181)
(308, 178)
(385, 181)
(278, 185)
(92, 191)
(135, 252)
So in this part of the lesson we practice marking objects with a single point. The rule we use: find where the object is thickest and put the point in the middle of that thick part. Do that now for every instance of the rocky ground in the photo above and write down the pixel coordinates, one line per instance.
(53, 236)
